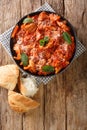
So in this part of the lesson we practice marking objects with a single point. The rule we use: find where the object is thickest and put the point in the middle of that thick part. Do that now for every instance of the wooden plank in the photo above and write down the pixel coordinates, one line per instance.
(55, 111)
(76, 90)
(29, 6)
(55, 105)
(35, 119)
(64, 100)
(9, 16)
(57, 5)
(77, 106)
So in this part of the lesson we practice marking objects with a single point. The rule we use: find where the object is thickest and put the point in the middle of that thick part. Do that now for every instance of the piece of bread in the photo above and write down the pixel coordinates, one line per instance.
(9, 76)
(20, 103)
(28, 86)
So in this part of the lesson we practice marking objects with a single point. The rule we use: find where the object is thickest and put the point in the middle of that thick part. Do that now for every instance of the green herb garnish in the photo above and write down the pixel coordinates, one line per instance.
(44, 41)
(27, 20)
(67, 37)
(48, 68)
(24, 59)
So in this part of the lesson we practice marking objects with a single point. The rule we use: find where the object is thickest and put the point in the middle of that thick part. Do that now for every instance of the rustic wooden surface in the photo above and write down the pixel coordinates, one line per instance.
(64, 100)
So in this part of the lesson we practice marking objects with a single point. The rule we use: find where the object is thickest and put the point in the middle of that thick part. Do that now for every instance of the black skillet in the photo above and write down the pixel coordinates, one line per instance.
(12, 42)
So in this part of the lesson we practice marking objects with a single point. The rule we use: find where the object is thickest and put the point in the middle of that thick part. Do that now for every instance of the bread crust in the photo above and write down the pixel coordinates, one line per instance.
(21, 103)
(9, 76)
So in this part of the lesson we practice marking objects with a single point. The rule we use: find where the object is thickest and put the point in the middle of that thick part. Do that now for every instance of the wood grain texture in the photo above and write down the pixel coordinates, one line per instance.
(57, 5)
(55, 105)
(29, 6)
(55, 111)
(63, 101)
(76, 90)
(36, 116)
(9, 17)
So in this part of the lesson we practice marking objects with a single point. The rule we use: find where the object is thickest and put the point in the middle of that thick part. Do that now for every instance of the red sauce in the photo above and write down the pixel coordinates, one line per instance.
(57, 52)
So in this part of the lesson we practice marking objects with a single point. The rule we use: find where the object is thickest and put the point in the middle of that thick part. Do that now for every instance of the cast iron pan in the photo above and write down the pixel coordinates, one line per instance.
(12, 42)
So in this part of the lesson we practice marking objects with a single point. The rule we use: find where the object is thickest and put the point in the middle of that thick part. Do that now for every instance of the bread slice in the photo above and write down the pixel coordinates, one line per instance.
(9, 76)
(21, 103)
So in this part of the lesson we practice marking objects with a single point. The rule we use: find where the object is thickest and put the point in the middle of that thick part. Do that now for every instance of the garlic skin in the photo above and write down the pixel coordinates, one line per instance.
(28, 86)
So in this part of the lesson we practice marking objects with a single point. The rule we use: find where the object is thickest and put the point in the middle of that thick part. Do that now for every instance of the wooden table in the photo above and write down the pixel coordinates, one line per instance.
(63, 101)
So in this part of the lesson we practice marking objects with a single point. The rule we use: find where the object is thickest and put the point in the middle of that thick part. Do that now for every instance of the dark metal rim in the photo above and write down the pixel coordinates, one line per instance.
(12, 43)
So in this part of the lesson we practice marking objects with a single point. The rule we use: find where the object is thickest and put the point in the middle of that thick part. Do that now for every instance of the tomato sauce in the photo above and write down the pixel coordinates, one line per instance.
(47, 41)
